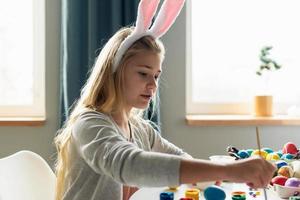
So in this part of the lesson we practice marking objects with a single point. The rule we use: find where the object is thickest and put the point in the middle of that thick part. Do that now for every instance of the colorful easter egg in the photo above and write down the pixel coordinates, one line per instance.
(292, 182)
(279, 153)
(280, 163)
(272, 156)
(214, 193)
(259, 153)
(279, 180)
(268, 150)
(286, 171)
(243, 154)
(287, 156)
(296, 167)
(249, 151)
(290, 147)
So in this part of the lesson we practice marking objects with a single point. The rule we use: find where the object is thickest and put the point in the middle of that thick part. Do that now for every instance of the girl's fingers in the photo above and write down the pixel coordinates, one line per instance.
(251, 185)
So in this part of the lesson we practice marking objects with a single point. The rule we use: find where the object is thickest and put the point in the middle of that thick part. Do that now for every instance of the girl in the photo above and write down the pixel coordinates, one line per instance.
(106, 149)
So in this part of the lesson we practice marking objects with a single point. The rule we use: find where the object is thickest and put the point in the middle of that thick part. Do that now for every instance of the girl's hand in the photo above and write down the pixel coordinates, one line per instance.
(254, 171)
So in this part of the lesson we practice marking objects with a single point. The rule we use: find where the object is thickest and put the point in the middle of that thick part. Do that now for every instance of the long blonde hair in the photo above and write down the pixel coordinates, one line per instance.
(102, 92)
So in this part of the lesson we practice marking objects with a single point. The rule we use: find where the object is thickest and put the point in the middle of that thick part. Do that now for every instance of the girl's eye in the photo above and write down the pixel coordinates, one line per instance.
(156, 77)
(143, 74)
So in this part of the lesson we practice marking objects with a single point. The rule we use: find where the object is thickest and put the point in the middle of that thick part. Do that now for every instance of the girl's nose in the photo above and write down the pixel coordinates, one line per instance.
(152, 83)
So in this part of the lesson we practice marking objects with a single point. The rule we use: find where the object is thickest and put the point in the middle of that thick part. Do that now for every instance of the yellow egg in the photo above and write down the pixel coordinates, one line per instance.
(262, 153)
(272, 156)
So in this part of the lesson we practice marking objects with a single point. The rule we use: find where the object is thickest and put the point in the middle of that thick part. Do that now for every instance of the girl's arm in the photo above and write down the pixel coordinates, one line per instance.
(255, 171)
(108, 153)
(159, 144)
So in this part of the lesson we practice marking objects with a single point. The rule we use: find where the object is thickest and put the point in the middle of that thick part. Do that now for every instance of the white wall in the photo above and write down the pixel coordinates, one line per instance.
(204, 141)
(40, 139)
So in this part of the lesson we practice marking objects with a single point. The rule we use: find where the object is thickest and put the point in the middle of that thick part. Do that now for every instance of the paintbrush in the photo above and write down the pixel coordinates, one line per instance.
(259, 148)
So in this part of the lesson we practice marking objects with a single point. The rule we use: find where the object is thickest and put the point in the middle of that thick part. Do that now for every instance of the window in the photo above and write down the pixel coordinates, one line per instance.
(22, 58)
(224, 39)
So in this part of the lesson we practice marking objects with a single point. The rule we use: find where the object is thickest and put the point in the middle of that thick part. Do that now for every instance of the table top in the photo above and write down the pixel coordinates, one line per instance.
(153, 193)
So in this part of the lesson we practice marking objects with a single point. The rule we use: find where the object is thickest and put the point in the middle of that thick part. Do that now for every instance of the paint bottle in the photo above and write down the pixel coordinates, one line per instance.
(166, 196)
(192, 193)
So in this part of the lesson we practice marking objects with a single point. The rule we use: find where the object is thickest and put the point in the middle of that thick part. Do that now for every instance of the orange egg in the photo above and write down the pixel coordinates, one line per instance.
(286, 171)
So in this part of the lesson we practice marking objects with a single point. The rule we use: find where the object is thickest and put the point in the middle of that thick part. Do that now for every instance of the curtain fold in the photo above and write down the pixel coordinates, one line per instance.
(86, 26)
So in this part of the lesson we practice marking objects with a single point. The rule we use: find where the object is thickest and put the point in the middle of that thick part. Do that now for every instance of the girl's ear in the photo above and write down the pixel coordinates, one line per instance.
(146, 11)
(166, 17)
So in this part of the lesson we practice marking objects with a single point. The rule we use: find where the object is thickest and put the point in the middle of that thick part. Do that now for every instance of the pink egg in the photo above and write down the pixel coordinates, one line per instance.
(290, 147)
(292, 182)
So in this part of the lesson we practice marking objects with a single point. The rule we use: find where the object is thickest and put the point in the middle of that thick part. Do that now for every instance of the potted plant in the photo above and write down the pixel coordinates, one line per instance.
(263, 104)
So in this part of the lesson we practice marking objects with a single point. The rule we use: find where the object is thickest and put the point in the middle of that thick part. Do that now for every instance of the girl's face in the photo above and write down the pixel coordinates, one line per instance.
(141, 76)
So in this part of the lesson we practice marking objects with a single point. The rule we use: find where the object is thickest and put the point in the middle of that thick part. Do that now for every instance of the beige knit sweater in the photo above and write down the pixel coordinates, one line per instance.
(103, 161)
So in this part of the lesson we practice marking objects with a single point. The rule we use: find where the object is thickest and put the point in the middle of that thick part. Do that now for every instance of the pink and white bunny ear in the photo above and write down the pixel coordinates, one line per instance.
(166, 17)
(146, 11)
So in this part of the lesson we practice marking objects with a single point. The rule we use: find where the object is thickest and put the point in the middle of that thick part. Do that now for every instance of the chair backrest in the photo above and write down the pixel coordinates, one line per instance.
(26, 176)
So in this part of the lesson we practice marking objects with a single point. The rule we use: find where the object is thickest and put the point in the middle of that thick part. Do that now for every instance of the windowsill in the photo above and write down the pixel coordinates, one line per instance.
(241, 120)
(22, 121)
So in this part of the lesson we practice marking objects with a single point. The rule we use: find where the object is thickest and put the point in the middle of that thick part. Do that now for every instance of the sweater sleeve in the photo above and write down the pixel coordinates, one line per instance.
(159, 144)
(107, 152)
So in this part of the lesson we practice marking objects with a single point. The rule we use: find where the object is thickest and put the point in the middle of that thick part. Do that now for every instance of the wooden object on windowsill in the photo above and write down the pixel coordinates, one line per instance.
(241, 120)
(263, 106)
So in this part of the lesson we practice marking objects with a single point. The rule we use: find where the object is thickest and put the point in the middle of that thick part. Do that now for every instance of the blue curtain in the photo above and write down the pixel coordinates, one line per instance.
(86, 27)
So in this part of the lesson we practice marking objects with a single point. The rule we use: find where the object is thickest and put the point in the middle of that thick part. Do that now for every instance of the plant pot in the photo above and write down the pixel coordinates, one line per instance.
(263, 105)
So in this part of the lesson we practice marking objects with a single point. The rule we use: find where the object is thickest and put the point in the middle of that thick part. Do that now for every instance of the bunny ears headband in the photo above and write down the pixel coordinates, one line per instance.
(146, 10)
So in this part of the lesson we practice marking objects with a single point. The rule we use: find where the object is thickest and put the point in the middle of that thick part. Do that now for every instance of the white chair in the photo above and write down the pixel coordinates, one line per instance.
(26, 176)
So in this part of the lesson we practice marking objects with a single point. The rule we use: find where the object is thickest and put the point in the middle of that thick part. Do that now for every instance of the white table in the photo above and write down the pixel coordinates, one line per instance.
(153, 193)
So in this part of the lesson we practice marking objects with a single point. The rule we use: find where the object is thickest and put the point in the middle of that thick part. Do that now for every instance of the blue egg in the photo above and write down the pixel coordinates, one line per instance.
(280, 163)
(268, 150)
(287, 156)
(214, 193)
(243, 154)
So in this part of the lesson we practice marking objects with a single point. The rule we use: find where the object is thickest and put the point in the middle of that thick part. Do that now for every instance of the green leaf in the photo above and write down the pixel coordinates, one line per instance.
(268, 63)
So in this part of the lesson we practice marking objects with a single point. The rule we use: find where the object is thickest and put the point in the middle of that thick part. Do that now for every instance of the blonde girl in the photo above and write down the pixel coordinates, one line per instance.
(107, 151)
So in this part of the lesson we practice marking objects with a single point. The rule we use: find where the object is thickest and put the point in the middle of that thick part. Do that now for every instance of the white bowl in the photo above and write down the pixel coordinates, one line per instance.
(222, 158)
(285, 191)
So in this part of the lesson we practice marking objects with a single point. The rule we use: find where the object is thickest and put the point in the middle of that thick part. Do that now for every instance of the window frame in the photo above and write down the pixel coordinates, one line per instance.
(37, 109)
(196, 108)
